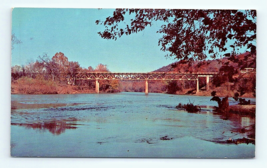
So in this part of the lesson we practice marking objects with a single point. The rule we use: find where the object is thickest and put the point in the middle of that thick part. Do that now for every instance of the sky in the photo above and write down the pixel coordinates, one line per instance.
(74, 33)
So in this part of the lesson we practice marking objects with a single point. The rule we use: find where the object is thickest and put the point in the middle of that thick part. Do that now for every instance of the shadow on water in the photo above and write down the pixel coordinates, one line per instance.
(55, 127)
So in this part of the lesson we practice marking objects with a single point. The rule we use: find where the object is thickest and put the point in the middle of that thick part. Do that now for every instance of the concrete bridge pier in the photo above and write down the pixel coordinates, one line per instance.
(146, 87)
(207, 82)
(96, 86)
(197, 86)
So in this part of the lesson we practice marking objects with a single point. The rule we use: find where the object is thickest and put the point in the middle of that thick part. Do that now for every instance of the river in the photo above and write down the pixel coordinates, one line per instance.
(125, 125)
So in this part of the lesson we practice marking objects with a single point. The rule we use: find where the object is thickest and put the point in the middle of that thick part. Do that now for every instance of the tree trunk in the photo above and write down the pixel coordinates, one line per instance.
(224, 107)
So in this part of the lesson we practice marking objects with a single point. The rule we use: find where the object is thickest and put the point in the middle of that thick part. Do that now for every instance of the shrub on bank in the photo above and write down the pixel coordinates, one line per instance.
(189, 107)
(38, 85)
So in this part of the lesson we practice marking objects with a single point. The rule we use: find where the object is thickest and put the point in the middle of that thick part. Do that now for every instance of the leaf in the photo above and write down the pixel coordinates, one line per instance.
(230, 36)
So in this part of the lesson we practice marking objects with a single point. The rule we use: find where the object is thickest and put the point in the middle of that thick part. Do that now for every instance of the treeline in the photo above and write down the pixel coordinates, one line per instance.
(56, 75)
(171, 87)
(57, 68)
(236, 73)
(139, 86)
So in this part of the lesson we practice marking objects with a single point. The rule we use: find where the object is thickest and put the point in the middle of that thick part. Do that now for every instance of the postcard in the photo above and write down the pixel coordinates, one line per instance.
(133, 83)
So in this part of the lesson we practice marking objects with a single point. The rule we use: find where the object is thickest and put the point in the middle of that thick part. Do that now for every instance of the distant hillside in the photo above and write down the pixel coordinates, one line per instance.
(233, 77)
(245, 60)
(166, 68)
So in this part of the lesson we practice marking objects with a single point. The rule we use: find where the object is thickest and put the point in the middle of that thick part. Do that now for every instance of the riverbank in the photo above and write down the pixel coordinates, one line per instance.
(224, 94)
(53, 88)
(49, 89)
(219, 92)
(243, 109)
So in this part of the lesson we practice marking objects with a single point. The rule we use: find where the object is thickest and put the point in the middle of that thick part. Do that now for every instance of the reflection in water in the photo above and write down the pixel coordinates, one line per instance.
(242, 125)
(56, 127)
(245, 121)
(209, 120)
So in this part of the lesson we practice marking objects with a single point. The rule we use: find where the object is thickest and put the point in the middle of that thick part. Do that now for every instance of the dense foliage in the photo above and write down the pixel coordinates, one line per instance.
(45, 73)
(188, 34)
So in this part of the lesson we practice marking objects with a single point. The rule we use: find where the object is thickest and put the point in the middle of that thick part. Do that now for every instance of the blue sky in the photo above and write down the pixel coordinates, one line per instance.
(74, 33)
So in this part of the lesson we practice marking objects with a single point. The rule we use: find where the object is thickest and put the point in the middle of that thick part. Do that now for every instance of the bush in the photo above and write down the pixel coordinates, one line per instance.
(173, 87)
(28, 85)
(189, 107)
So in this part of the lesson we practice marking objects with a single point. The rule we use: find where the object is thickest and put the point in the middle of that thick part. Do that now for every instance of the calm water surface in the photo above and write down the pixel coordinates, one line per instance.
(125, 125)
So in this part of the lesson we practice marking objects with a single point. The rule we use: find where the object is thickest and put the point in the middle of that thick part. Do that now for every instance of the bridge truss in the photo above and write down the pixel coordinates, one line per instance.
(143, 76)
(146, 77)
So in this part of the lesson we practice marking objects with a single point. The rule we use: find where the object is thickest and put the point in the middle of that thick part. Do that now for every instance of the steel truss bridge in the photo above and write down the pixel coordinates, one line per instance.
(168, 76)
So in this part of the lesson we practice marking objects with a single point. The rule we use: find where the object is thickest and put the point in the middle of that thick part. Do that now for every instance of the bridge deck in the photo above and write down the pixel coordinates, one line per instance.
(144, 76)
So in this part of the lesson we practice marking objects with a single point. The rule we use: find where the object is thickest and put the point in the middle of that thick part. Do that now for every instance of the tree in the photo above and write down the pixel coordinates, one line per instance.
(73, 68)
(14, 40)
(106, 85)
(223, 104)
(172, 87)
(38, 67)
(16, 69)
(113, 86)
(90, 69)
(57, 67)
(188, 34)
(16, 72)
(29, 69)
(226, 73)
(101, 68)
(62, 61)
(51, 67)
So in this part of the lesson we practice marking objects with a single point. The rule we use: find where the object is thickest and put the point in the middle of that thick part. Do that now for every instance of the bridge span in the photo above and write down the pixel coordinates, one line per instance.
(168, 76)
